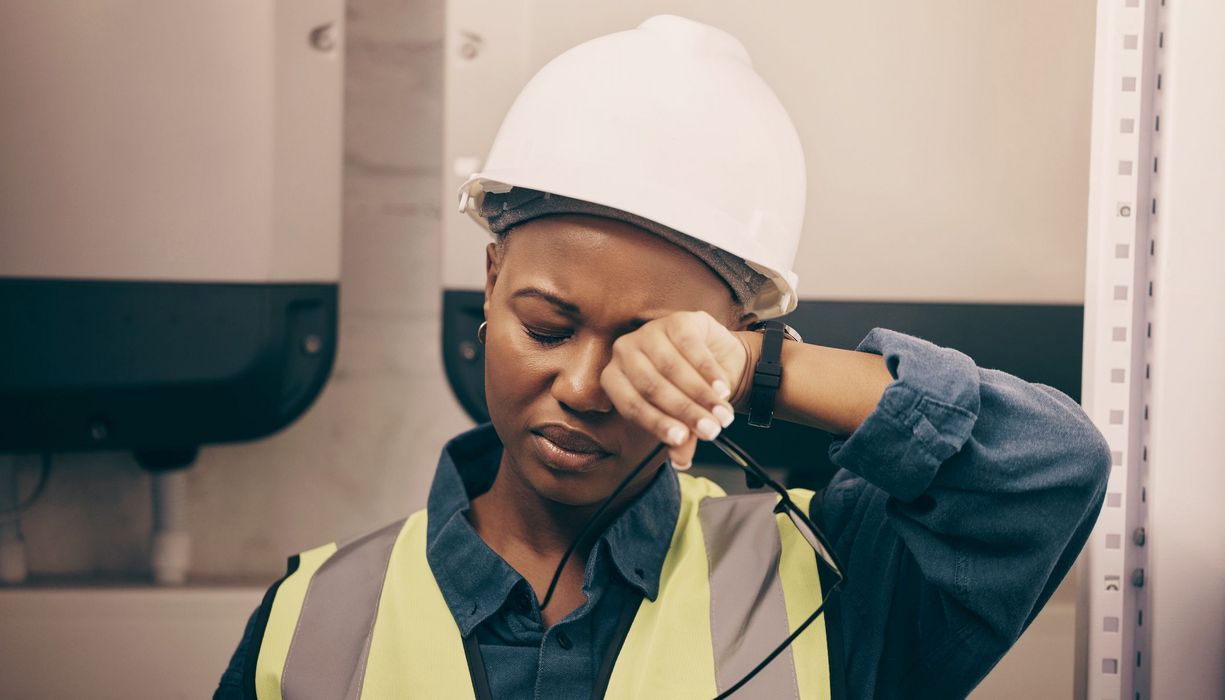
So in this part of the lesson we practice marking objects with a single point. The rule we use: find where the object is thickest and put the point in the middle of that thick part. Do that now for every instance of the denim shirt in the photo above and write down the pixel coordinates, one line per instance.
(960, 504)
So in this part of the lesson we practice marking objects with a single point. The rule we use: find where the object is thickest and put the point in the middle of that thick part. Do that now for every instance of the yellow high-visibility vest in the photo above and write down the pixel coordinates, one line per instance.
(366, 619)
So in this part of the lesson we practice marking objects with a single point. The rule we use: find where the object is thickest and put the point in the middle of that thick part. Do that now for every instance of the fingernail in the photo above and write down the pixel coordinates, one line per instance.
(676, 435)
(721, 389)
(708, 429)
(724, 414)
(681, 467)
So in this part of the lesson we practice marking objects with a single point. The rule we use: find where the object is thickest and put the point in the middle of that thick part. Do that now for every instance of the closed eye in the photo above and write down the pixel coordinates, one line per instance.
(546, 339)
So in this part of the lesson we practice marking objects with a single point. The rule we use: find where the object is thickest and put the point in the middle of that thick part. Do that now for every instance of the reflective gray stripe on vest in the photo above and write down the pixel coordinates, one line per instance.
(748, 615)
(329, 661)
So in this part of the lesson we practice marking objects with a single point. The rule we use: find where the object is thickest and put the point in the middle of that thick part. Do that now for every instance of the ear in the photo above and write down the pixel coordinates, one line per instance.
(746, 319)
(493, 264)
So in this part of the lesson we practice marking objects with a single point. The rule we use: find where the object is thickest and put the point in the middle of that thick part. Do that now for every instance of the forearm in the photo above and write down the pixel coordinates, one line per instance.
(963, 500)
(827, 388)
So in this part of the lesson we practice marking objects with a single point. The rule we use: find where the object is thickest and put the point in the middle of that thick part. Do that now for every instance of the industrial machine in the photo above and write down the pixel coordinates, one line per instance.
(169, 222)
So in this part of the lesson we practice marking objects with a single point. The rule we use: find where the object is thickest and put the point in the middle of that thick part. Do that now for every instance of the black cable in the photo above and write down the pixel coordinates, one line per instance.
(779, 649)
(44, 475)
(595, 518)
(748, 464)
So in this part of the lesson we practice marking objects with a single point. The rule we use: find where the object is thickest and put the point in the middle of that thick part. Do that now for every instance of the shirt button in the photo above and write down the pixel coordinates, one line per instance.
(563, 640)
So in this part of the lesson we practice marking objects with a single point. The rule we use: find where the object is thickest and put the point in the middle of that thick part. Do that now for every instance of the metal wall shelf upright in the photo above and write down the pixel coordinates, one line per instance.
(1153, 617)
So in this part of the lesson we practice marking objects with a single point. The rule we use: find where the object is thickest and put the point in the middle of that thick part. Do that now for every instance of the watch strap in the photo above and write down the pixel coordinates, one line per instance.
(767, 375)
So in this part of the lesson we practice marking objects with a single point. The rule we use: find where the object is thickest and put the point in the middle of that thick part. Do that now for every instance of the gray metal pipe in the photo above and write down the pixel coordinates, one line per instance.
(14, 567)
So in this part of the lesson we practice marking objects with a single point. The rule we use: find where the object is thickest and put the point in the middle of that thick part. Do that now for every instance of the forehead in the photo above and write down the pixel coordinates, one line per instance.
(611, 267)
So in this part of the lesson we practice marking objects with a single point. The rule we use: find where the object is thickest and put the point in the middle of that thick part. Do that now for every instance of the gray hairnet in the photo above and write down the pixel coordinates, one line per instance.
(504, 211)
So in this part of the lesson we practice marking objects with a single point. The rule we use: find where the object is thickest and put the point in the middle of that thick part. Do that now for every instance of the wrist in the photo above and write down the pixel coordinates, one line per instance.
(742, 392)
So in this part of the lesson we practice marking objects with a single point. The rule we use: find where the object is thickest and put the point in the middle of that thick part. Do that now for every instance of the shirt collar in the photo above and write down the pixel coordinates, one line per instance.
(476, 582)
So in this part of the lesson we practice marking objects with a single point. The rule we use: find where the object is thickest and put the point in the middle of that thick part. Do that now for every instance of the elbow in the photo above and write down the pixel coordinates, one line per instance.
(1090, 458)
(1093, 464)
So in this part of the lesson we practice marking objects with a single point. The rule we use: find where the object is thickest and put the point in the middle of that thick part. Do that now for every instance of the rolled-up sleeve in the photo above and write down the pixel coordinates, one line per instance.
(961, 503)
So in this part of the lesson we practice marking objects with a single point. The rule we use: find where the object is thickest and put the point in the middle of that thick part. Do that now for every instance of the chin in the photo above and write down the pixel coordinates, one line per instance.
(573, 488)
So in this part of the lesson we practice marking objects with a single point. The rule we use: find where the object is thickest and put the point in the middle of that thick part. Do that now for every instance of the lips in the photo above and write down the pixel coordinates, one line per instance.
(572, 440)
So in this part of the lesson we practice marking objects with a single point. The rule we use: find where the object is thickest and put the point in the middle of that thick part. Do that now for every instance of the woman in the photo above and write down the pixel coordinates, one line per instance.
(645, 195)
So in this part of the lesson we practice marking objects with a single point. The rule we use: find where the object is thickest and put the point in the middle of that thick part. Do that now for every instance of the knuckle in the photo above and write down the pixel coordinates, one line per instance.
(632, 406)
(684, 336)
(645, 386)
(654, 386)
(667, 363)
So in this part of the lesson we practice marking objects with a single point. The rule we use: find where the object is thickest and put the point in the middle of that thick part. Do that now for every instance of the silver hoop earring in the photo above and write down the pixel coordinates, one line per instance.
(480, 331)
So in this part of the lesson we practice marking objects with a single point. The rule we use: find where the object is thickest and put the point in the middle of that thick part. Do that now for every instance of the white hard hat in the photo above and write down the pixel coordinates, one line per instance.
(668, 122)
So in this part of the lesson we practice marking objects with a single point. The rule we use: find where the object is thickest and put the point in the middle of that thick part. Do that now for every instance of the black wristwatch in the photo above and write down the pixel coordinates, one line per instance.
(768, 373)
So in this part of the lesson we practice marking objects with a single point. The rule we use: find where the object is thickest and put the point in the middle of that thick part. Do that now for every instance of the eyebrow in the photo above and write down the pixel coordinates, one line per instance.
(568, 308)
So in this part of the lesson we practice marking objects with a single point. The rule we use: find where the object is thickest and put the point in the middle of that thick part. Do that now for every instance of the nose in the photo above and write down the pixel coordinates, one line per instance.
(577, 385)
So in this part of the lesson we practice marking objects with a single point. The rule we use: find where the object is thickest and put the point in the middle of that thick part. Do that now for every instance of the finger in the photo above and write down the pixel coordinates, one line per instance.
(682, 457)
(667, 398)
(636, 408)
(690, 340)
(680, 371)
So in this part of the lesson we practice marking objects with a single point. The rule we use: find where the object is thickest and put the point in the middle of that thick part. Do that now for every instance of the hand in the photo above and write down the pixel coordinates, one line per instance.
(674, 376)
